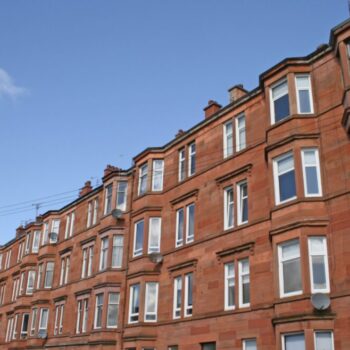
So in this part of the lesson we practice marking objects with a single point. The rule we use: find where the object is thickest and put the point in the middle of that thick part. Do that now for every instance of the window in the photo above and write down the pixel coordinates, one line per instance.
(191, 159)
(289, 268)
(158, 174)
(89, 214)
(98, 311)
(27, 244)
(82, 316)
(24, 326)
(14, 335)
(1, 257)
(122, 190)
(21, 284)
(228, 208)
(88, 254)
(182, 160)
(36, 241)
(293, 341)
(190, 223)
(30, 282)
(55, 228)
(324, 340)
(15, 289)
(69, 225)
(208, 346)
(33, 321)
(45, 236)
(49, 275)
(108, 199)
(311, 172)
(138, 238)
(154, 235)
(44, 317)
(134, 303)
(151, 302)
(244, 283)
(188, 294)
(242, 207)
(249, 344)
(2, 293)
(40, 276)
(228, 139)
(304, 95)
(9, 329)
(279, 101)
(229, 286)
(318, 259)
(177, 297)
(284, 178)
(179, 227)
(95, 212)
(104, 253)
(117, 251)
(8, 259)
(65, 266)
(59, 312)
(143, 179)
(113, 310)
(20, 252)
(173, 347)
(241, 142)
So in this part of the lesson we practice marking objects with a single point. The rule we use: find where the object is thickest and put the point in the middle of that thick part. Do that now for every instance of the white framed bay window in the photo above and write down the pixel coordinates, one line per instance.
(134, 303)
(311, 172)
(151, 301)
(228, 208)
(229, 286)
(154, 235)
(304, 94)
(157, 174)
(228, 139)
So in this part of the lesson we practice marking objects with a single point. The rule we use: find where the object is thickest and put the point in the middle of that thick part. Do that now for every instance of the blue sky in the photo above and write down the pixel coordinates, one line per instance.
(86, 83)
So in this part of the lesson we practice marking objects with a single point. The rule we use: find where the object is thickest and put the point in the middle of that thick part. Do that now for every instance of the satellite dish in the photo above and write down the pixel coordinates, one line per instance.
(42, 334)
(53, 237)
(117, 213)
(156, 258)
(320, 301)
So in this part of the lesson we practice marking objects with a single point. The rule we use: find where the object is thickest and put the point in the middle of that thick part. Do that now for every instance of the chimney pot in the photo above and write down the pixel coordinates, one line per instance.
(86, 189)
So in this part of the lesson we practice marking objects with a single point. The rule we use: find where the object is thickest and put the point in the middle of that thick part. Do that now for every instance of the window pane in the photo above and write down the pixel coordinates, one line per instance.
(287, 185)
(311, 180)
(250, 344)
(228, 141)
(304, 101)
(281, 108)
(154, 235)
(324, 341)
(180, 226)
(190, 222)
(139, 238)
(209, 346)
(294, 342)
(280, 90)
(319, 272)
(292, 275)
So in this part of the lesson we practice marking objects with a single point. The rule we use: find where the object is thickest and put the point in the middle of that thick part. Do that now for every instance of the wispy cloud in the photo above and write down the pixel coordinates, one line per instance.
(8, 88)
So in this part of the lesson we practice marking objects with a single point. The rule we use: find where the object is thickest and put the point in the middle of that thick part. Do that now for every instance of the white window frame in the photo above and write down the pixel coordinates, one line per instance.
(43, 327)
(276, 177)
(240, 145)
(24, 334)
(36, 241)
(283, 336)
(309, 92)
(241, 275)
(240, 200)
(34, 317)
(153, 313)
(228, 152)
(280, 269)
(48, 286)
(227, 204)
(27, 243)
(117, 251)
(191, 156)
(104, 253)
(179, 242)
(29, 290)
(95, 211)
(325, 260)
(272, 105)
(318, 171)
(190, 238)
(324, 331)
(154, 249)
(108, 309)
(89, 214)
(188, 307)
(227, 278)
(157, 172)
(182, 165)
(122, 194)
(45, 235)
(132, 291)
(244, 343)
(143, 176)
(97, 306)
(138, 252)
(108, 199)
(177, 285)
(15, 324)
(55, 227)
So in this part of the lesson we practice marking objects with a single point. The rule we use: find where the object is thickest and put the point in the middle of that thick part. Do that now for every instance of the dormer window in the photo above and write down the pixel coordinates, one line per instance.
(279, 101)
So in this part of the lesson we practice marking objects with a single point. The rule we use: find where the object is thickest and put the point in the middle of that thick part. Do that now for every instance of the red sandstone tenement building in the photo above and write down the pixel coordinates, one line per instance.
(220, 237)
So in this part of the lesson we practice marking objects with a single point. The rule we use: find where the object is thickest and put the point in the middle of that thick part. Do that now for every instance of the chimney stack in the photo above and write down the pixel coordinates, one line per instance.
(236, 92)
(211, 108)
(86, 189)
(110, 169)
